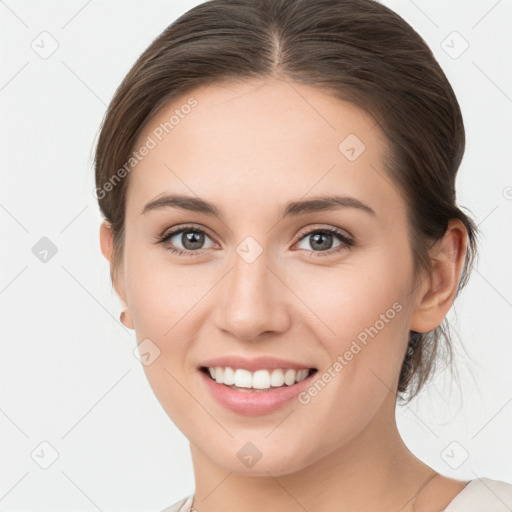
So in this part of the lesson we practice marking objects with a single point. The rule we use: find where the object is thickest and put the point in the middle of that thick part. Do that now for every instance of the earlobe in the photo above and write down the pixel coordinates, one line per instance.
(438, 289)
(125, 319)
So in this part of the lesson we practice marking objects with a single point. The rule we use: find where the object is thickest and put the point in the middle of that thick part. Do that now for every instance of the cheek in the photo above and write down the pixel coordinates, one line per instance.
(165, 303)
(364, 313)
(162, 293)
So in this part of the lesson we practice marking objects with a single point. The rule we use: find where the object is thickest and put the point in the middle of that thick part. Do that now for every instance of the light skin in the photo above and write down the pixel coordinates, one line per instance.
(250, 149)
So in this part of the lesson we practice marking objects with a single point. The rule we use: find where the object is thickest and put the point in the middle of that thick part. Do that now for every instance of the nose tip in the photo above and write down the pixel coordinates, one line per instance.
(251, 302)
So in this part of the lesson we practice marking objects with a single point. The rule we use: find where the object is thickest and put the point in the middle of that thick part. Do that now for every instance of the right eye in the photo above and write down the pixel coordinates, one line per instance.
(191, 239)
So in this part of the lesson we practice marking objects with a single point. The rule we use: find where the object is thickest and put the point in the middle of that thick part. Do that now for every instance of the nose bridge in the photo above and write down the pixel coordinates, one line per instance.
(252, 301)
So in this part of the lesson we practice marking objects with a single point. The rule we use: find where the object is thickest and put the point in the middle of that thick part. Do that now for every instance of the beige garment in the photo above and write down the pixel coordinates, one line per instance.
(483, 495)
(479, 495)
(181, 506)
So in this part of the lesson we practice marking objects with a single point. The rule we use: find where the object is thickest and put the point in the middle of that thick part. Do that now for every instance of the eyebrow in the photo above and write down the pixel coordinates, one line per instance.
(294, 208)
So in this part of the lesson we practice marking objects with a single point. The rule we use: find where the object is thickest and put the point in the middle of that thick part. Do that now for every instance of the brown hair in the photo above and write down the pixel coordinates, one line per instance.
(359, 51)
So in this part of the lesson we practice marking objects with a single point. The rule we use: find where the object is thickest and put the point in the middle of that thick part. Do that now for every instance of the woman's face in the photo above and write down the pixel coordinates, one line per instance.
(275, 275)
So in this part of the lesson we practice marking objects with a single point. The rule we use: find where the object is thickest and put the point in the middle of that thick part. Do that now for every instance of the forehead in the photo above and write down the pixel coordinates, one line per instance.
(283, 138)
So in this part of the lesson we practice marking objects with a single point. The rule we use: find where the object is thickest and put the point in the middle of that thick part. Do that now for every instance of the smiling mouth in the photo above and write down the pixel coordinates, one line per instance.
(241, 379)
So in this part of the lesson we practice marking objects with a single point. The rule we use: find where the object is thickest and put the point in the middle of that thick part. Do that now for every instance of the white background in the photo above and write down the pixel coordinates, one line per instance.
(68, 373)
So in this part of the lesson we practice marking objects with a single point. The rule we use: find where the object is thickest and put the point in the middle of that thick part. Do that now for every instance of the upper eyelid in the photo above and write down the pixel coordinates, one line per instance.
(330, 229)
(186, 227)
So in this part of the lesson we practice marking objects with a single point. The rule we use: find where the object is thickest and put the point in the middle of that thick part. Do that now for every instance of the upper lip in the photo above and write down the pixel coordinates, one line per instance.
(254, 363)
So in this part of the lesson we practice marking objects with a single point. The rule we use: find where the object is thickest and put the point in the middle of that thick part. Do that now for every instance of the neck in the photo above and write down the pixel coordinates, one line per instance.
(374, 471)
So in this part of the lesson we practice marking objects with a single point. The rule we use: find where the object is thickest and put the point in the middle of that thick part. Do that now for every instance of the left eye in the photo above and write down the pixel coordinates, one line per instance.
(321, 240)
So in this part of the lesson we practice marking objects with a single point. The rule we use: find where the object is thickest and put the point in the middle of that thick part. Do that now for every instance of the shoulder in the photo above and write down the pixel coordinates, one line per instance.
(483, 494)
(180, 506)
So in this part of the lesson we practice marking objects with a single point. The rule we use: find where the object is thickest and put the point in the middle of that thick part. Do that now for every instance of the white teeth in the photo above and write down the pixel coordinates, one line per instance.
(243, 378)
(260, 379)
(229, 376)
(289, 377)
(277, 378)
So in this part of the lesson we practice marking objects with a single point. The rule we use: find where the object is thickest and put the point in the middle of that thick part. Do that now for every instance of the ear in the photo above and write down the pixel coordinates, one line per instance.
(107, 248)
(438, 290)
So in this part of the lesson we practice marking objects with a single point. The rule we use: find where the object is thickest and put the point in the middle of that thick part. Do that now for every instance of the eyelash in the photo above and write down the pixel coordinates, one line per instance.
(347, 242)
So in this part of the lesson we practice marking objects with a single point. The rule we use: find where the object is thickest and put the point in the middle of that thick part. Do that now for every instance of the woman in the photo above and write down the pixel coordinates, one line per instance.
(277, 181)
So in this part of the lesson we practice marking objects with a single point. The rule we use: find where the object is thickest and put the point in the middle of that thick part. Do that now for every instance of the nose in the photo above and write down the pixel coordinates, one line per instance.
(252, 301)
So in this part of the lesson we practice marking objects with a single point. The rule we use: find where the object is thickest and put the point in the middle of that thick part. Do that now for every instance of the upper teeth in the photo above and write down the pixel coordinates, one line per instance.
(260, 379)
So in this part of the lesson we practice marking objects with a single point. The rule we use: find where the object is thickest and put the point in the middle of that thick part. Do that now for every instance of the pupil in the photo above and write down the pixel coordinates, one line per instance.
(192, 240)
(317, 241)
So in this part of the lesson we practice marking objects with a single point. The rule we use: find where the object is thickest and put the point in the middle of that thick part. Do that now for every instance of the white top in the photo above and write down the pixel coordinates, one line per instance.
(479, 495)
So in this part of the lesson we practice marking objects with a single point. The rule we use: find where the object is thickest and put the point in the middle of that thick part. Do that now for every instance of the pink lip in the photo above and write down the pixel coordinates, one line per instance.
(254, 363)
(252, 403)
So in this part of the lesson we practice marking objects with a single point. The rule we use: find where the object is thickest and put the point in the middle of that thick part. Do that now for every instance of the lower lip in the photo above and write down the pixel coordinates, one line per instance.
(252, 403)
